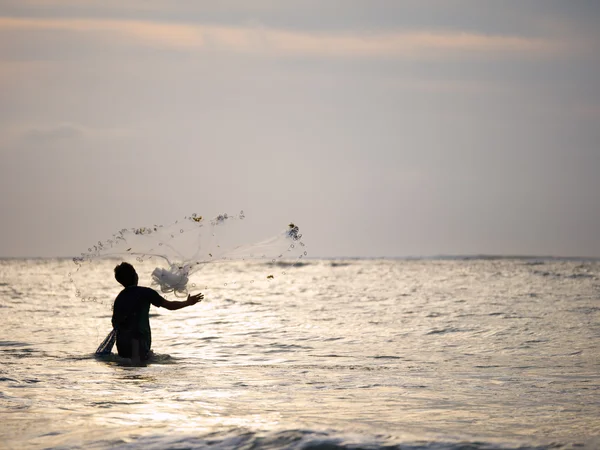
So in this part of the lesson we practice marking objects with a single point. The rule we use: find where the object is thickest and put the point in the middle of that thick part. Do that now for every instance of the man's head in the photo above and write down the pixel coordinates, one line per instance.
(126, 275)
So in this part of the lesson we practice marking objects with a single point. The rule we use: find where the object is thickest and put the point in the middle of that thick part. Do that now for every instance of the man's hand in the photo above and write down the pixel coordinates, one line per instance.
(193, 299)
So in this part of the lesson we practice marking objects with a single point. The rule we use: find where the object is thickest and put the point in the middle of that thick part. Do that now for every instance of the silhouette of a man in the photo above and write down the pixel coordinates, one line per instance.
(130, 313)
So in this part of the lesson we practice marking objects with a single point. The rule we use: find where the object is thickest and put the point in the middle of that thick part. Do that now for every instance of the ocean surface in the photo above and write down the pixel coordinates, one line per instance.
(379, 354)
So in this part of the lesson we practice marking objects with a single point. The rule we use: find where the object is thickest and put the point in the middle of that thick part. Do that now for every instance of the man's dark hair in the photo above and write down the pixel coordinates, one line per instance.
(125, 274)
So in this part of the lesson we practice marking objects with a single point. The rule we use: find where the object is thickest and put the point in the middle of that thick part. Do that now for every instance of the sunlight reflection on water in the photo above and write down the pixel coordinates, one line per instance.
(498, 351)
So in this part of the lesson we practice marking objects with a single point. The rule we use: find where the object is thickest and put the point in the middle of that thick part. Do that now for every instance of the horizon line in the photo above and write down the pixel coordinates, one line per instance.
(465, 256)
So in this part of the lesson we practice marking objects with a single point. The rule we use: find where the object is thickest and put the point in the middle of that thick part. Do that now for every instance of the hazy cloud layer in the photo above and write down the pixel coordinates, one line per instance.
(278, 42)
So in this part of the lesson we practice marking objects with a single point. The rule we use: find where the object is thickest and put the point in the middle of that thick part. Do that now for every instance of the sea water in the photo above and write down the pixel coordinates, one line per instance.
(408, 354)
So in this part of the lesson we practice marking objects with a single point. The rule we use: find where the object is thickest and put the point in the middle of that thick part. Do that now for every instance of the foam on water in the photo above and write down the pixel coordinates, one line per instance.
(431, 354)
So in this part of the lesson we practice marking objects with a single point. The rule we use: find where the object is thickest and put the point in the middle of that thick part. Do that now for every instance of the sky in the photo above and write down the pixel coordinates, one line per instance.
(382, 128)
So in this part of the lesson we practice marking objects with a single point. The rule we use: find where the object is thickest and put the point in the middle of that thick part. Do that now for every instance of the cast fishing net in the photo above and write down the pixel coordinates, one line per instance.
(175, 255)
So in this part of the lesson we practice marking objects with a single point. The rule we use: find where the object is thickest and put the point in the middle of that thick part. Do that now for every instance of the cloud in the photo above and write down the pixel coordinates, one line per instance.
(62, 132)
(258, 40)
(12, 135)
(59, 132)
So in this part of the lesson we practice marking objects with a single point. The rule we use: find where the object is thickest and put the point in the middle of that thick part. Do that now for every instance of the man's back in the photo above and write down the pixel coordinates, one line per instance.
(131, 319)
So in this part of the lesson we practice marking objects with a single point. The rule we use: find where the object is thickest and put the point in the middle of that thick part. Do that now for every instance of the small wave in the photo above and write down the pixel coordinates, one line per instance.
(113, 358)
(580, 275)
(284, 348)
(446, 330)
(12, 380)
(535, 341)
(288, 264)
(573, 276)
(326, 367)
(585, 309)
(289, 347)
(301, 439)
(339, 264)
(543, 273)
(13, 344)
(11, 292)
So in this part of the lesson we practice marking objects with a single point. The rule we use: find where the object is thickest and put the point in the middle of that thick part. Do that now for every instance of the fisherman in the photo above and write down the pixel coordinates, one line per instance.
(130, 313)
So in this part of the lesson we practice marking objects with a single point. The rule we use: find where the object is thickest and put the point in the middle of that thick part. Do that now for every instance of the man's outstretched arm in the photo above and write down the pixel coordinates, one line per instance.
(191, 300)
